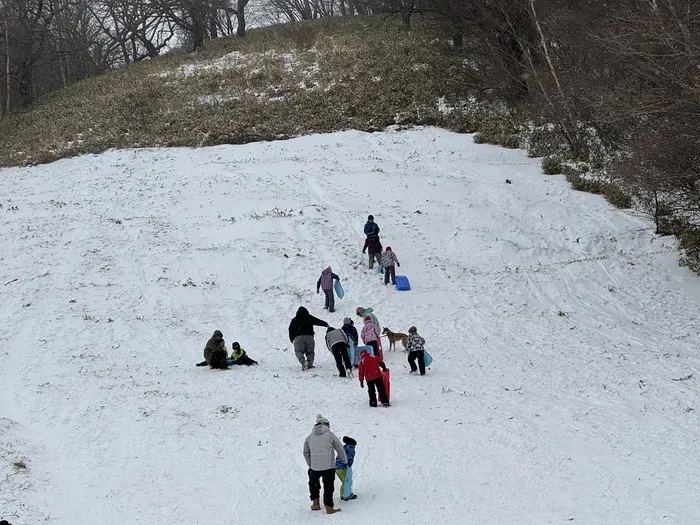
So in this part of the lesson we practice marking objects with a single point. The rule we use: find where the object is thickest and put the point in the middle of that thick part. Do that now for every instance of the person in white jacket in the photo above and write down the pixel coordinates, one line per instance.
(319, 452)
(337, 342)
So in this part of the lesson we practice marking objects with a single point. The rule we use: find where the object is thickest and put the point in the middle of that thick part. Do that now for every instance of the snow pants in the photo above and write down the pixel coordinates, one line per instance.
(377, 384)
(342, 476)
(420, 354)
(328, 477)
(374, 345)
(304, 346)
(390, 271)
(377, 256)
(342, 358)
(330, 300)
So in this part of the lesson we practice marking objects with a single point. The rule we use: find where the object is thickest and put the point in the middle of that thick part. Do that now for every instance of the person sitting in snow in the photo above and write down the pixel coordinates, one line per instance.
(341, 469)
(371, 369)
(371, 227)
(370, 335)
(215, 354)
(325, 283)
(374, 247)
(416, 349)
(389, 259)
(239, 357)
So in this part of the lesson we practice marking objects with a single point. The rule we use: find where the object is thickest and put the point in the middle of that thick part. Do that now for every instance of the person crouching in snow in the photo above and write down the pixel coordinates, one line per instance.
(374, 247)
(337, 343)
(416, 349)
(215, 354)
(325, 283)
(341, 469)
(239, 357)
(319, 447)
(370, 335)
(389, 259)
(371, 369)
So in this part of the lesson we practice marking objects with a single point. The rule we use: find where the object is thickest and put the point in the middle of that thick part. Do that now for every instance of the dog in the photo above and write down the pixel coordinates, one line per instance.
(393, 337)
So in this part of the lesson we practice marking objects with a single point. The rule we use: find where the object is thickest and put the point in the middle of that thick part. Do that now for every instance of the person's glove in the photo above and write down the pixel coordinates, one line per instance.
(397, 264)
(362, 385)
(317, 291)
(364, 251)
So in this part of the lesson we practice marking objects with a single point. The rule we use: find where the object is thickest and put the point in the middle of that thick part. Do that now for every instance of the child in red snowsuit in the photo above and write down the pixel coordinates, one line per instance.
(371, 369)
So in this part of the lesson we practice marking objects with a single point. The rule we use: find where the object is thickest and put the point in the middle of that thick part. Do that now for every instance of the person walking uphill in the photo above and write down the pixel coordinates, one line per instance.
(371, 227)
(370, 335)
(301, 334)
(371, 369)
(325, 283)
(416, 349)
(374, 247)
(389, 259)
(319, 452)
(337, 343)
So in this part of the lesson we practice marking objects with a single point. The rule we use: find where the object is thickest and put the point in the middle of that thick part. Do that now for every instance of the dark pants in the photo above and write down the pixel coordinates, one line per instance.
(420, 354)
(328, 477)
(379, 385)
(390, 271)
(342, 359)
(243, 360)
(374, 345)
(330, 300)
(377, 256)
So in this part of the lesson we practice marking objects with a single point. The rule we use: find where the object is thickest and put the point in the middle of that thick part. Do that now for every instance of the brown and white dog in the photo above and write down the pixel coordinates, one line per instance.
(393, 337)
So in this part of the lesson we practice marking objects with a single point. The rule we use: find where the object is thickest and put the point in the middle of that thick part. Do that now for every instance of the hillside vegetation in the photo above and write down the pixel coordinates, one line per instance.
(278, 82)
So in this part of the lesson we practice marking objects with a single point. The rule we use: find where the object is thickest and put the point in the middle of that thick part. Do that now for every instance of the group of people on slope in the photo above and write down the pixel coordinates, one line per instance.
(373, 246)
(320, 448)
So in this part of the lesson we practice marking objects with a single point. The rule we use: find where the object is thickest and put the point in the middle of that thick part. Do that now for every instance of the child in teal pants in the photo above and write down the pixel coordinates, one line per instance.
(341, 468)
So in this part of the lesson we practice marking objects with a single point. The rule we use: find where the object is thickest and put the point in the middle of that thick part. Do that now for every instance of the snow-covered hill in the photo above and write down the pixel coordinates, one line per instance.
(565, 338)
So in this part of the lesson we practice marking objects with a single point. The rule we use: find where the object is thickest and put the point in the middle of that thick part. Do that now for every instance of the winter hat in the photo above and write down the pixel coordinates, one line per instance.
(320, 420)
(370, 218)
(359, 310)
(388, 248)
(363, 353)
(349, 441)
(328, 269)
(235, 345)
(368, 318)
(412, 330)
(217, 333)
(347, 320)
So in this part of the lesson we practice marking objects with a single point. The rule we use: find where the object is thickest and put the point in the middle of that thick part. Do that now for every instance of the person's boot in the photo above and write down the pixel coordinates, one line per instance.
(315, 505)
(331, 510)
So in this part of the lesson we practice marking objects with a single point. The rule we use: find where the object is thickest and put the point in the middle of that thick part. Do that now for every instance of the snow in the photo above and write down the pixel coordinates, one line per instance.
(563, 332)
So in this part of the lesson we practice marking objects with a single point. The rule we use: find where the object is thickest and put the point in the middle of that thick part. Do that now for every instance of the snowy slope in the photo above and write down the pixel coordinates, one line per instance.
(560, 327)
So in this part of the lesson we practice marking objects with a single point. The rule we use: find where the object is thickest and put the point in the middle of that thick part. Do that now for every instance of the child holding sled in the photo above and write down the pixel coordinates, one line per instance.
(325, 283)
(371, 369)
(389, 263)
(416, 350)
(341, 469)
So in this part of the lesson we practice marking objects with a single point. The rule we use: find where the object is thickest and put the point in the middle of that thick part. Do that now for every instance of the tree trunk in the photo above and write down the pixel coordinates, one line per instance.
(7, 63)
(240, 17)
(25, 88)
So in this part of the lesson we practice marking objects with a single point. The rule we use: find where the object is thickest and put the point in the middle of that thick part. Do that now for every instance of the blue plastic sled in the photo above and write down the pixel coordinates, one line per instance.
(402, 283)
(427, 358)
(339, 289)
(348, 482)
(356, 355)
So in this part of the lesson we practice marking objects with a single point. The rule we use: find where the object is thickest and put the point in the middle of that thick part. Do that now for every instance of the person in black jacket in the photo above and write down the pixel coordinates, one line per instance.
(301, 334)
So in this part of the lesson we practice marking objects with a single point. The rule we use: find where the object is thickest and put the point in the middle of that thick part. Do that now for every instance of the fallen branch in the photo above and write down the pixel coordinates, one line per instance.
(689, 376)
(12, 281)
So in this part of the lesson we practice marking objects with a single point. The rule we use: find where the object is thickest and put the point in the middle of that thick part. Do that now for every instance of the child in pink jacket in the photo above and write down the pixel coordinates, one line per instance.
(370, 335)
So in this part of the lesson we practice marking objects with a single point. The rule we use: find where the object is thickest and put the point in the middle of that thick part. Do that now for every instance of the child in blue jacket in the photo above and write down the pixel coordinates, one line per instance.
(341, 468)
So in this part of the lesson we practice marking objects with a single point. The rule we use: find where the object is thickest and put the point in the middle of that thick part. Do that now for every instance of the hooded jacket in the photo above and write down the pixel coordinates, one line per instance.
(334, 337)
(415, 342)
(325, 282)
(215, 346)
(320, 447)
(389, 259)
(372, 244)
(369, 332)
(371, 228)
(303, 324)
(368, 311)
(349, 448)
(351, 332)
(370, 367)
